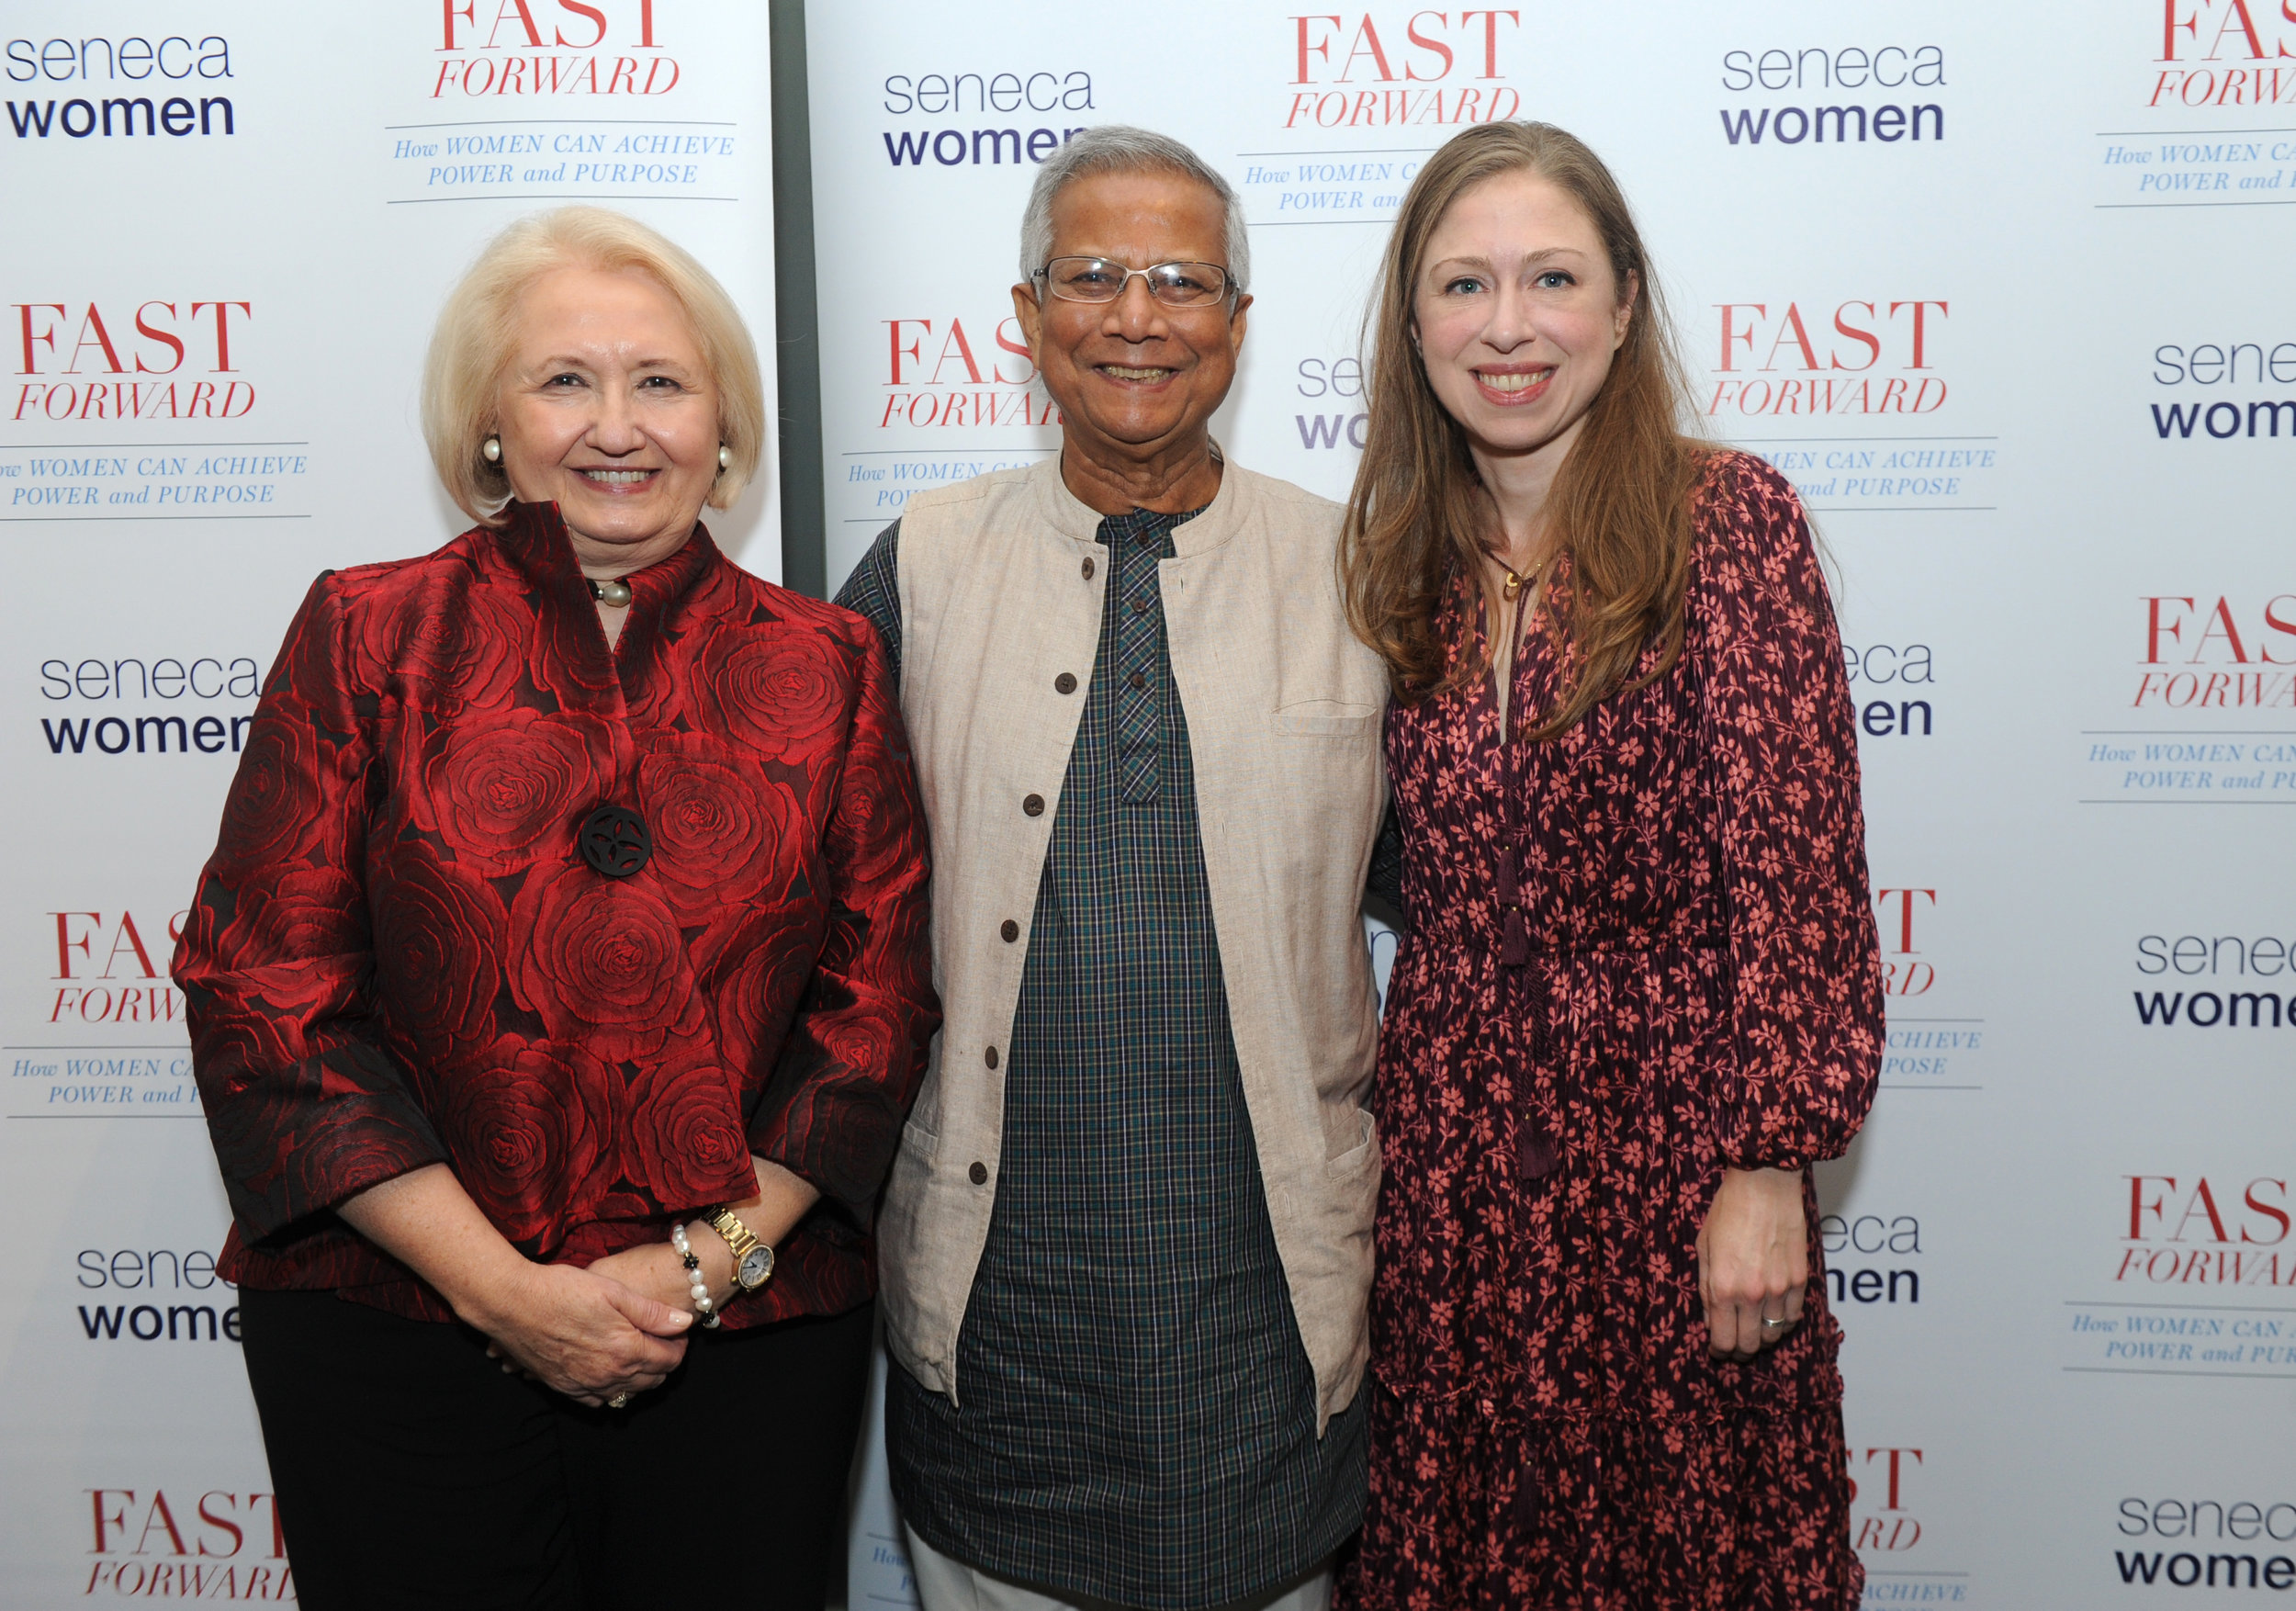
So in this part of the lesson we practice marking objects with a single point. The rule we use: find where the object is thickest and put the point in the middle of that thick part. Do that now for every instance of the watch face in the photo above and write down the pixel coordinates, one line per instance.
(756, 1266)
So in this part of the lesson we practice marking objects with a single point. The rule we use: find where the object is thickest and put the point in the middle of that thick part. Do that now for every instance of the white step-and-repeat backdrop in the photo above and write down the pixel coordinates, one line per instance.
(227, 228)
(2005, 291)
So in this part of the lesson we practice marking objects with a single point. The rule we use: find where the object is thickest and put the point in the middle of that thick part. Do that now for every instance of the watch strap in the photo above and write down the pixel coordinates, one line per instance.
(739, 1240)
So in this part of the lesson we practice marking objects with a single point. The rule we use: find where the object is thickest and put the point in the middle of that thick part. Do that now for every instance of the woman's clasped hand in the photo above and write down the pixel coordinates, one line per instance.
(586, 1335)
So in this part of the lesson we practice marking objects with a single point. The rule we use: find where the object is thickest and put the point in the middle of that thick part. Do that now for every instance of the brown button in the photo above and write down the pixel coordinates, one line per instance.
(1140, 606)
(1034, 806)
(1088, 571)
(1065, 683)
(1009, 929)
(979, 1172)
(1137, 681)
(1147, 539)
(991, 1056)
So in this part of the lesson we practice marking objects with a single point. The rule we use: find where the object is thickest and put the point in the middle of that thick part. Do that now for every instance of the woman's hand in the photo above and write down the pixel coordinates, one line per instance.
(653, 1269)
(584, 1334)
(1754, 1261)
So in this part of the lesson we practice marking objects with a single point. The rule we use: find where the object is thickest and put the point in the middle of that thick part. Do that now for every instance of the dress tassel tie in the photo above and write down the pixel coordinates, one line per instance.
(1536, 1155)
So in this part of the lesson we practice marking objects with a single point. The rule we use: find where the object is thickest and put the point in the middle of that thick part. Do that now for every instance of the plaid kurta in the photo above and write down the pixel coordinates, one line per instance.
(1138, 1417)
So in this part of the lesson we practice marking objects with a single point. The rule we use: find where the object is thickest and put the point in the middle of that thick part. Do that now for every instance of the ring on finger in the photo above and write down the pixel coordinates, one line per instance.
(619, 1400)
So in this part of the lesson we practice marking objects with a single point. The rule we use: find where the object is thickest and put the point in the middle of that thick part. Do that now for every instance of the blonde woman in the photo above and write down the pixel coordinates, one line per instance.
(557, 986)
(1639, 991)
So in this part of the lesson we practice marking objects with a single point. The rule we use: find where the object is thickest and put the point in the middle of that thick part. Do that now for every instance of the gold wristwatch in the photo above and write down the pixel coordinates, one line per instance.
(753, 1259)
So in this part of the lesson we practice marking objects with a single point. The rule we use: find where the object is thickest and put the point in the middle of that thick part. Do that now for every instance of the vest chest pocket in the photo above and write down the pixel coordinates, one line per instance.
(1326, 718)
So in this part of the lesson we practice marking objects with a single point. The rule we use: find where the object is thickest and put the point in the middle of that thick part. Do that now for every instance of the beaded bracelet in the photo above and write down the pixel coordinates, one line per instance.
(699, 1289)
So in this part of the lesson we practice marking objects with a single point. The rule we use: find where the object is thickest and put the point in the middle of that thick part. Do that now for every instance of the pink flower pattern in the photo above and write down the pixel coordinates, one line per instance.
(1639, 954)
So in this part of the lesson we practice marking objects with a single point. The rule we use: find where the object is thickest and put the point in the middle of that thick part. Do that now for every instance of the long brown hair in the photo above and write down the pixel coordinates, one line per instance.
(1620, 504)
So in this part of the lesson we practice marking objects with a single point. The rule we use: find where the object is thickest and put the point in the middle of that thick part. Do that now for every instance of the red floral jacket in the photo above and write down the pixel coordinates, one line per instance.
(418, 941)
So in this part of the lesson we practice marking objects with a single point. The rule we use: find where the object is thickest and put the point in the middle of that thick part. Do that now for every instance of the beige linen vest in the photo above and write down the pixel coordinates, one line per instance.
(1002, 586)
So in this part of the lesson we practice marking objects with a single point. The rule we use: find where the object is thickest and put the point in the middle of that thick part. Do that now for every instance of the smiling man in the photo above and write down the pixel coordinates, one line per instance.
(1127, 1241)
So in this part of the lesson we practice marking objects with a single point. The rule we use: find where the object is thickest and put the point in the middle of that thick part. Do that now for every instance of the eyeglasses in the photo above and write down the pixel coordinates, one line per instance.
(1102, 280)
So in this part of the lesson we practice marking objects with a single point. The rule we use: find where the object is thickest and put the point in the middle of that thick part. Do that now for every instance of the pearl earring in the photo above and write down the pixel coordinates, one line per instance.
(490, 450)
(725, 457)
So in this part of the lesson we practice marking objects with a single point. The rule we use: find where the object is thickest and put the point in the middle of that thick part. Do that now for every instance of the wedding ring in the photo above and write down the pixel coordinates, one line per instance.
(618, 1400)
(1781, 1321)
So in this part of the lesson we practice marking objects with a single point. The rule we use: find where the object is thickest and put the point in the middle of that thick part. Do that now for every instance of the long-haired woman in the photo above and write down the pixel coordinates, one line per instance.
(1640, 990)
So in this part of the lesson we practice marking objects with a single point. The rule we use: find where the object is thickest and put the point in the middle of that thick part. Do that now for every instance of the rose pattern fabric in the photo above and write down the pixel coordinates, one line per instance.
(779, 690)
(543, 1116)
(1637, 954)
(495, 792)
(397, 957)
(598, 960)
(274, 796)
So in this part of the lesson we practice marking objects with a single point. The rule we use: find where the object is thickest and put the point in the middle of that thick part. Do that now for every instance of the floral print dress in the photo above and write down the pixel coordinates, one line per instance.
(1637, 954)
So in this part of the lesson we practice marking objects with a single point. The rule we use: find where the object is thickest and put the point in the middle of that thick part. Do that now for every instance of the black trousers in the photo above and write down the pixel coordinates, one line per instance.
(410, 1472)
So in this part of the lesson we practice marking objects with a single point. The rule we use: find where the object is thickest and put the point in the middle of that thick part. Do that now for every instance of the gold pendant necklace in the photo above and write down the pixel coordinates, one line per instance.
(1514, 584)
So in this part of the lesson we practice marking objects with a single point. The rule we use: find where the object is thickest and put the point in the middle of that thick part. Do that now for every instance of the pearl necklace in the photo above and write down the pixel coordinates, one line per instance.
(615, 595)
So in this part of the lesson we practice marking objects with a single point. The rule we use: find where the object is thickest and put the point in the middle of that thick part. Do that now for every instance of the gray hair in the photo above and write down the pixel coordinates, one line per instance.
(1115, 148)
